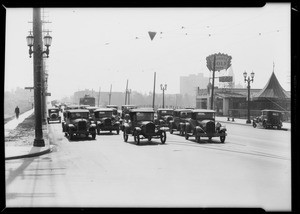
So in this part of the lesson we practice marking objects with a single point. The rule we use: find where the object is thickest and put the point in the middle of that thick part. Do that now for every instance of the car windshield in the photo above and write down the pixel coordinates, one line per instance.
(102, 114)
(166, 112)
(144, 116)
(185, 114)
(204, 115)
(76, 115)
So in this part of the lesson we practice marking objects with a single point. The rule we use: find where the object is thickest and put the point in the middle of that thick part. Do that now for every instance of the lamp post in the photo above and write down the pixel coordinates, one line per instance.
(248, 80)
(129, 92)
(163, 88)
(35, 42)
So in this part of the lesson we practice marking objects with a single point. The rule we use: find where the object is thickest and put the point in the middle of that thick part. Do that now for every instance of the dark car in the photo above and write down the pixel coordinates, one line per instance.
(164, 116)
(202, 124)
(268, 119)
(77, 123)
(115, 111)
(53, 115)
(105, 120)
(180, 117)
(141, 123)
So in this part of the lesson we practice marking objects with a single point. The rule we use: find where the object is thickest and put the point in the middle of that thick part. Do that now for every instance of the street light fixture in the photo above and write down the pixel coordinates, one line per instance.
(47, 42)
(163, 88)
(248, 80)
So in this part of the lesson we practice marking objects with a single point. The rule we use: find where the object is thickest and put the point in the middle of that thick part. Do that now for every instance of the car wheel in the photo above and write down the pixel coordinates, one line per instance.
(70, 135)
(118, 131)
(209, 138)
(222, 139)
(254, 124)
(265, 125)
(163, 137)
(125, 136)
(137, 138)
(149, 138)
(171, 131)
(94, 136)
(197, 137)
(98, 131)
(278, 127)
(186, 135)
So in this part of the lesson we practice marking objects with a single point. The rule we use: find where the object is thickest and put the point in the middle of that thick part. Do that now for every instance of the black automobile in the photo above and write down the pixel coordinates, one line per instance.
(53, 115)
(105, 120)
(164, 116)
(77, 123)
(140, 125)
(202, 124)
(180, 117)
(268, 119)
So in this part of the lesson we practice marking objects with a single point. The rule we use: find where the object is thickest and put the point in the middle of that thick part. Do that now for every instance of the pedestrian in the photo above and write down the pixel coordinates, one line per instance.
(17, 111)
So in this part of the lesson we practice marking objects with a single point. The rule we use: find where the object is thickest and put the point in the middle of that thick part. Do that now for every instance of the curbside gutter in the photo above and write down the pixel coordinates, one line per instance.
(30, 155)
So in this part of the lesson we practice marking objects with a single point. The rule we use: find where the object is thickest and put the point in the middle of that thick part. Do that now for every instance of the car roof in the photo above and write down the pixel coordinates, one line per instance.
(184, 110)
(78, 110)
(92, 107)
(142, 110)
(103, 109)
(167, 109)
(52, 108)
(271, 110)
(203, 110)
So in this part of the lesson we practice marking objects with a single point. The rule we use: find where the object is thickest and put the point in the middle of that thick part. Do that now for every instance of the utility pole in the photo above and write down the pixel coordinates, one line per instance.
(37, 69)
(129, 92)
(154, 90)
(109, 95)
(213, 85)
(126, 92)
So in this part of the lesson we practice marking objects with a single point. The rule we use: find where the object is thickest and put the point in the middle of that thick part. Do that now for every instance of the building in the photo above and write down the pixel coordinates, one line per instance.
(189, 84)
(234, 101)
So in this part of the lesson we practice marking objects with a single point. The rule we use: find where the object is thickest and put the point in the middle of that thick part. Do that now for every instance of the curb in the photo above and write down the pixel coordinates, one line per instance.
(250, 124)
(30, 155)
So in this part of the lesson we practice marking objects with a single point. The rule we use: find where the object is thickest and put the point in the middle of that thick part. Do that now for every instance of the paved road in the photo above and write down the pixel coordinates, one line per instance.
(252, 169)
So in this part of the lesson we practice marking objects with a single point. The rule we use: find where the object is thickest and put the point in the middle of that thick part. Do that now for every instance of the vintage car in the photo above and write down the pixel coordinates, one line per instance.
(268, 119)
(77, 123)
(105, 120)
(115, 111)
(141, 123)
(180, 117)
(164, 116)
(53, 115)
(91, 111)
(202, 124)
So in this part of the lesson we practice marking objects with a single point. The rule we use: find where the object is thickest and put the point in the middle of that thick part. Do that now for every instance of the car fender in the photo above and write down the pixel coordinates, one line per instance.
(198, 129)
(138, 129)
(223, 129)
(71, 127)
(93, 125)
(182, 125)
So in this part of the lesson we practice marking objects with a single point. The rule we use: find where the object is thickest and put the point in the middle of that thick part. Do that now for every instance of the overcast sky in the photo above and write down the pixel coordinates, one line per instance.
(96, 47)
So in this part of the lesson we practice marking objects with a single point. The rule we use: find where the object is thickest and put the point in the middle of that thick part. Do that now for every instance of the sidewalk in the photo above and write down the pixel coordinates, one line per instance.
(20, 148)
(243, 122)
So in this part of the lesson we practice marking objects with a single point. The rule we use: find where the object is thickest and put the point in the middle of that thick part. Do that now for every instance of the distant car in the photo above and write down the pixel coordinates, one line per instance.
(91, 111)
(268, 119)
(77, 123)
(105, 120)
(202, 124)
(164, 116)
(180, 117)
(115, 111)
(53, 115)
(141, 123)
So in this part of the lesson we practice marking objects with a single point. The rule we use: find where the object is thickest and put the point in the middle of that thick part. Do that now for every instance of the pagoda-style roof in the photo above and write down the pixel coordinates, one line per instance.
(272, 90)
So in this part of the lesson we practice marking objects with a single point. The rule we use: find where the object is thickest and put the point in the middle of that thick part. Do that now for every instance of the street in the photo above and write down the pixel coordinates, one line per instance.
(252, 169)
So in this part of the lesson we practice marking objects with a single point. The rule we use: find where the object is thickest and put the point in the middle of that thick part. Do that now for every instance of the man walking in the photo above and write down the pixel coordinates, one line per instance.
(17, 111)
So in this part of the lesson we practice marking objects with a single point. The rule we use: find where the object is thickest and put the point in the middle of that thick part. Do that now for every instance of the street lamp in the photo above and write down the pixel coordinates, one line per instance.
(248, 80)
(35, 43)
(47, 42)
(163, 88)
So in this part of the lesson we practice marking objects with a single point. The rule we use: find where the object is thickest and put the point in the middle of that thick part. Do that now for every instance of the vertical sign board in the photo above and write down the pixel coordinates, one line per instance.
(217, 62)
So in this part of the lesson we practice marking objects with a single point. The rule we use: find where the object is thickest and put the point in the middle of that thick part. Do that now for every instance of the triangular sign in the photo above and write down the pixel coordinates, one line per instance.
(151, 34)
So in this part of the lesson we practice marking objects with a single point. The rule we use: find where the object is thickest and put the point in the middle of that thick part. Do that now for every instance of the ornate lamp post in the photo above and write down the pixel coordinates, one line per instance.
(248, 80)
(34, 41)
(163, 88)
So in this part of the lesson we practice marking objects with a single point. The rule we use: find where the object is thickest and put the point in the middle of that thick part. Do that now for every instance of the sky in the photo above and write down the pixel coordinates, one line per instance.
(94, 48)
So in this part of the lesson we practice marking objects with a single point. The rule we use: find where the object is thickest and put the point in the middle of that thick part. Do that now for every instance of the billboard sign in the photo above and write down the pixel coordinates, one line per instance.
(225, 79)
(223, 62)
